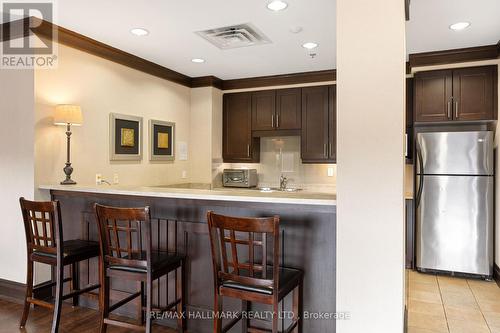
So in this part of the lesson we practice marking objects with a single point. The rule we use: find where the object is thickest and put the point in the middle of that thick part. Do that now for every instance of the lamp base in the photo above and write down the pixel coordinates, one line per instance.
(68, 182)
(68, 170)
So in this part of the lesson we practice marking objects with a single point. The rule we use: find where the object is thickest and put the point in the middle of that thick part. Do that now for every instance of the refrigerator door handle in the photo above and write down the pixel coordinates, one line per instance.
(420, 175)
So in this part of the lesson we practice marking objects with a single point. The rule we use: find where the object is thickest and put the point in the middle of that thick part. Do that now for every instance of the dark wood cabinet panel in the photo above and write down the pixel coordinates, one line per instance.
(238, 145)
(288, 109)
(315, 112)
(332, 124)
(264, 110)
(473, 93)
(409, 120)
(433, 96)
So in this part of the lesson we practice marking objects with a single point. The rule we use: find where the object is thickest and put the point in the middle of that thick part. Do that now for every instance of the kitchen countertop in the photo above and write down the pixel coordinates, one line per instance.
(227, 194)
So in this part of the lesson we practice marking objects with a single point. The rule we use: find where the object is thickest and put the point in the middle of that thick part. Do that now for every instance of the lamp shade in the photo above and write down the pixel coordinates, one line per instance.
(68, 114)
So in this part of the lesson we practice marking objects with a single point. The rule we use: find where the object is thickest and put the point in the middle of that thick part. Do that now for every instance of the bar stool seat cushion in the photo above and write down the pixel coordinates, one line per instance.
(160, 260)
(287, 277)
(74, 250)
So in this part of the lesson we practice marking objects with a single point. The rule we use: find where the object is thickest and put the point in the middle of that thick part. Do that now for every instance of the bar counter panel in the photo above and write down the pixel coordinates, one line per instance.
(308, 234)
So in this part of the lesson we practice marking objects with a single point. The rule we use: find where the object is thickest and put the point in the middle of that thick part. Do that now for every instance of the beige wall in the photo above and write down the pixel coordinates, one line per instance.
(16, 167)
(102, 87)
(370, 178)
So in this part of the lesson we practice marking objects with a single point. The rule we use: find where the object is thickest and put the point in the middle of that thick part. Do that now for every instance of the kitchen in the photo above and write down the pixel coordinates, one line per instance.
(187, 130)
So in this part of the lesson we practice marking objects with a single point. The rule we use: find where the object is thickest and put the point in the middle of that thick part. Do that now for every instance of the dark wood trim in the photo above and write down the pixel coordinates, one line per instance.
(279, 80)
(496, 274)
(278, 132)
(206, 81)
(477, 53)
(12, 290)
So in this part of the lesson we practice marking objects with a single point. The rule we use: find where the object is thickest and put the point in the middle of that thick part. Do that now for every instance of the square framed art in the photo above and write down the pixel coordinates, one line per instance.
(161, 140)
(125, 137)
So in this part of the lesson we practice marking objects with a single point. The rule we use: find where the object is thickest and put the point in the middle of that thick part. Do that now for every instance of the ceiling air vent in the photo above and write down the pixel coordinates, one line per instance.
(234, 36)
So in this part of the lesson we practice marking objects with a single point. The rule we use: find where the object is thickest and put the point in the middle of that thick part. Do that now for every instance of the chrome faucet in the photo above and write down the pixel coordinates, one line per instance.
(283, 183)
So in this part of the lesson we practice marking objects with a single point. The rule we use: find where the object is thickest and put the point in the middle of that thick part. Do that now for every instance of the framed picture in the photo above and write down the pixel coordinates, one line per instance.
(125, 137)
(161, 140)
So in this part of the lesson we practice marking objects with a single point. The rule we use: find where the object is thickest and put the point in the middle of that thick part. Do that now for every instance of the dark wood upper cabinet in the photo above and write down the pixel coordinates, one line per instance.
(433, 96)
(474, 93)
(315, 126)
(288, 109)
(264, 110)
(464, 94)
(238, 145)
(332, 123)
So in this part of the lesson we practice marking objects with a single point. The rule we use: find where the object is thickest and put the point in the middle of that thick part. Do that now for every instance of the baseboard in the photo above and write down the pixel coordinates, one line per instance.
(12, 291)
(496, 274)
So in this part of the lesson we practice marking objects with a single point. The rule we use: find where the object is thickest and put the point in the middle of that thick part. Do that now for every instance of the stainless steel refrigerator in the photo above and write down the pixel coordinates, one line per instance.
(454, 202)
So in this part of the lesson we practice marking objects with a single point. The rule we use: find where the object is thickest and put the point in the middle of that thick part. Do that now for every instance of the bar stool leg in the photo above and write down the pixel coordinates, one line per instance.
(217, 313)
(149, 302)
(275, 315)
(29, 293)
(59, 295)
(104, 303)
(180, 285)
(244, 321)
(75, 282)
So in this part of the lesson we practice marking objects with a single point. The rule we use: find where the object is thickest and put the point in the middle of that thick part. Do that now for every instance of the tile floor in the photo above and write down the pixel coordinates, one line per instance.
(440, 304)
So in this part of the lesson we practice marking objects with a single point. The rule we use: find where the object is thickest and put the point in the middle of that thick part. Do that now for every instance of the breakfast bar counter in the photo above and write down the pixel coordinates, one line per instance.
(307, 226)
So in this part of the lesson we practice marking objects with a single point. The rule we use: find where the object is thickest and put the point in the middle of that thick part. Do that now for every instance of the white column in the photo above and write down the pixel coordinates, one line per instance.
(370, 212)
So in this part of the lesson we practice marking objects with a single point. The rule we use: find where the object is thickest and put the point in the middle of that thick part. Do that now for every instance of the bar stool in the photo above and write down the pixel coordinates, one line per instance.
(45, 244)
(122, 232)
(251, 280)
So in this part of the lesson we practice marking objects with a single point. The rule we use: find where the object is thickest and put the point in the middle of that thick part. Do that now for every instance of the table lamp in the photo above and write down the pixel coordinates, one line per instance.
(68, 115)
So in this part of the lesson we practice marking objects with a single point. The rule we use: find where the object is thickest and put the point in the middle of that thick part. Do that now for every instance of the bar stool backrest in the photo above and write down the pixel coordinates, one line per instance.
(235, 266)
(121, 235)
(42, 225)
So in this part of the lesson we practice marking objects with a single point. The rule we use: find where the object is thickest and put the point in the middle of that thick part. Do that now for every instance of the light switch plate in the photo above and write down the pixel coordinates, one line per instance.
(330, 171)
(98, 179)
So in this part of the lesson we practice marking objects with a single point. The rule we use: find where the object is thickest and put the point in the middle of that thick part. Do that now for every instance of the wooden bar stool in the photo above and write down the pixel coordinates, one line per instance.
(45, 244)
(122, 234)
(246, 278)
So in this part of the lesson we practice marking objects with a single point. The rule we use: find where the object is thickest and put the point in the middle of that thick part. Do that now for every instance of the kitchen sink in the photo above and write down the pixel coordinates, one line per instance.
(276, 189)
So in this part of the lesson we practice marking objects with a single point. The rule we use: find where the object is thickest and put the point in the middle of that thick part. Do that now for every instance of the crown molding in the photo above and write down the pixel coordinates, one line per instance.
(477, 53)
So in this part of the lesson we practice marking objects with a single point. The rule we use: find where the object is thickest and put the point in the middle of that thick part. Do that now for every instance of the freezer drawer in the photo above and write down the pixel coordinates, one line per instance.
(457, 153)
(455, 224)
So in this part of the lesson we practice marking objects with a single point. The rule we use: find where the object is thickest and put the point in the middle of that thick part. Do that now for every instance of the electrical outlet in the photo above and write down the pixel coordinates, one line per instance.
(330, 171)
(184, 174)
(116, 179)
(98, 179)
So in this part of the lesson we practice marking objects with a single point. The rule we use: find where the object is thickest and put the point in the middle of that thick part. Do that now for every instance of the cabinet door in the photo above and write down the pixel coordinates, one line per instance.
(237, 128)
(264, 110)
(473, 93)
(433, 96)
(314, 139)
(332, 122)
(288, 109)
(409, 121)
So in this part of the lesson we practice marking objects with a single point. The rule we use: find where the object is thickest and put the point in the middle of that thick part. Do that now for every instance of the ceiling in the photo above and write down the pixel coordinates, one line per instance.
(172, 41)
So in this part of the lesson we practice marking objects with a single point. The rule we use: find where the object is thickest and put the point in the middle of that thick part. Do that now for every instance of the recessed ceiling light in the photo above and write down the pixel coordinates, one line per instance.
(459, 26)
(198, 60)
(277, 5)
(310, 45)
(139, 32)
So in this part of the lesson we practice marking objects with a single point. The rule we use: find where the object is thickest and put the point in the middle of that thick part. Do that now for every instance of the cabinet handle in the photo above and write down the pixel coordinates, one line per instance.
(277, 120)
(325, 150)
(449, 109)
(248, 150)
(456, 110)
(272, 120)
(330, 149)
